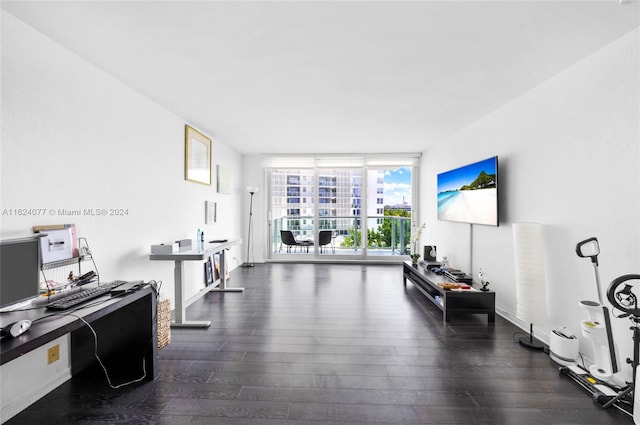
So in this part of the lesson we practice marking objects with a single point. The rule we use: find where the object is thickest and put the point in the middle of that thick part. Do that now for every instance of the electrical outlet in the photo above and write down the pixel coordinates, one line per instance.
(53, 354)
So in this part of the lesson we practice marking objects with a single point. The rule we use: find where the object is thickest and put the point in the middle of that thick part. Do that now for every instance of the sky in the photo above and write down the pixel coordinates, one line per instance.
(455, 179)
(397, 184)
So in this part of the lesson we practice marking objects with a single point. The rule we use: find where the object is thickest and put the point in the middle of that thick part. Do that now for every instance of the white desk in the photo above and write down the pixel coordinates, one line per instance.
(198, 252)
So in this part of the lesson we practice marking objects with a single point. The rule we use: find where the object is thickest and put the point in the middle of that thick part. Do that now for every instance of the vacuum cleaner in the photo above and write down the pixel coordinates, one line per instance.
(598, 378)
(597, 328)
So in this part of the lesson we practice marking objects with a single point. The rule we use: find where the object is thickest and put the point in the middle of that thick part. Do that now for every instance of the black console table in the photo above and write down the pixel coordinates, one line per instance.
(126, 330)
(449, 301)
(125, 325)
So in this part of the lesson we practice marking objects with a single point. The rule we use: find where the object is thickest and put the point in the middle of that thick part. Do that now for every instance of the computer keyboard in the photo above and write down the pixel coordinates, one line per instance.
(85, 295)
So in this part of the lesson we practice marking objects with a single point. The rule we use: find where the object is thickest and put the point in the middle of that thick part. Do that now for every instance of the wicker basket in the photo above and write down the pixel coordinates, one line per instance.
(164, 323)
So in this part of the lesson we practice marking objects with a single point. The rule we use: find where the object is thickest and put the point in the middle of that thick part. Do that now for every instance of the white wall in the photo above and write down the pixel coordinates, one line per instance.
(254, 177)
(73, 138)
(568, 158)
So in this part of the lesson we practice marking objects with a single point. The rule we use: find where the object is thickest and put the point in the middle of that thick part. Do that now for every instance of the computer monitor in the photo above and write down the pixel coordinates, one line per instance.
(19, 270)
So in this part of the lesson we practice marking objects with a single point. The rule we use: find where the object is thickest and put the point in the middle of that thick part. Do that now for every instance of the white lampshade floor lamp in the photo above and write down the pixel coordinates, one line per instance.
(530, 279)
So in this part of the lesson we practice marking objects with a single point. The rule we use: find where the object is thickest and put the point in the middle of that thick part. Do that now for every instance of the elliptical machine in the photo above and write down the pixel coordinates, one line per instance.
(597, 380)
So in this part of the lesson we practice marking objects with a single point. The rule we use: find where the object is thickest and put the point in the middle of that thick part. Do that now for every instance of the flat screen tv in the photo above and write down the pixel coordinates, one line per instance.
(469, 194)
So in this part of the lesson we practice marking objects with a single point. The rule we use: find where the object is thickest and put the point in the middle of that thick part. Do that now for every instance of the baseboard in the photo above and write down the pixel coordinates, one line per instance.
(539, 334)
(13, 407)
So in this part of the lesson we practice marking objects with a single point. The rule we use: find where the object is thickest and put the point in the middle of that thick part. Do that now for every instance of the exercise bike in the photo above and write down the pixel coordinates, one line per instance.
(621, 295)
(598, 379)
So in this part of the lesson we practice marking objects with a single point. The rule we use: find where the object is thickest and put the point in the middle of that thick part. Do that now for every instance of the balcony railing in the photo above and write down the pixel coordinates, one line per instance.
(384, 235)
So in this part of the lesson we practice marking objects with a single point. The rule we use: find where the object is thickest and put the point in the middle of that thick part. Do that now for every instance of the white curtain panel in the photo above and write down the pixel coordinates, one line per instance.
(531, 298)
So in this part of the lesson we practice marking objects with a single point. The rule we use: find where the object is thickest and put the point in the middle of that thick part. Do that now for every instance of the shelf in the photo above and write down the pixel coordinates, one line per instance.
(439, 304)
(56, 273)
(63, 263)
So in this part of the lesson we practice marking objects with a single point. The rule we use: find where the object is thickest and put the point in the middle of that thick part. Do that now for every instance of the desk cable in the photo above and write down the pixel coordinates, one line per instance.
(106, 373)
(155, 286)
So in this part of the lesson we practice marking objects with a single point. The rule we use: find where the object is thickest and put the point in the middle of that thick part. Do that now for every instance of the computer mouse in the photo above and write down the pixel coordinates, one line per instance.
(16, 328)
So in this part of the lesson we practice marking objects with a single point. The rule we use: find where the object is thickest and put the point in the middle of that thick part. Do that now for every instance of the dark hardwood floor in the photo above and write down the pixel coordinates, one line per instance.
(332, 344)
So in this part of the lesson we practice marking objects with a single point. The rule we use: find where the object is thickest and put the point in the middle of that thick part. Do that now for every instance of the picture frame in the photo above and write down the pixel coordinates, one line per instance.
(208, 272)
(197, 156)
(216, 266)
(223, 179)
(210, 212)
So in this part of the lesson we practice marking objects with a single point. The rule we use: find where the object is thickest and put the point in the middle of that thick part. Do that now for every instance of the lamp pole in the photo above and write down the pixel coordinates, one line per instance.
(252, 191)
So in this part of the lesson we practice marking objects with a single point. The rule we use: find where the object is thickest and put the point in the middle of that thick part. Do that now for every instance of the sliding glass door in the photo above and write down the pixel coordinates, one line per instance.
(316, 212)
(292, 209)
(340, 213)
(389, 211)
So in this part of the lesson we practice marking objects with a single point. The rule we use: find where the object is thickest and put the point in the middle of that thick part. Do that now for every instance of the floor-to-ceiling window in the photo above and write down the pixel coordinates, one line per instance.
(390, 211)
(344, 209)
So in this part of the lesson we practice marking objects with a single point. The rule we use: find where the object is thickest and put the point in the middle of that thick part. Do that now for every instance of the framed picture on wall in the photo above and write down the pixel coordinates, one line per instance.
(197, 156)
(224, 179)
(210, 211)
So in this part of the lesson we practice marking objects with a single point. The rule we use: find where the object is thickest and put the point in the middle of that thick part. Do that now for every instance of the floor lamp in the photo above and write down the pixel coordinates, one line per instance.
(531, 297)
(248, 263)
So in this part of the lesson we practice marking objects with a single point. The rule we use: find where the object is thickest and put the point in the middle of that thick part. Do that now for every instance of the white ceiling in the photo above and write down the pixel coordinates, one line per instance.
(331, 77)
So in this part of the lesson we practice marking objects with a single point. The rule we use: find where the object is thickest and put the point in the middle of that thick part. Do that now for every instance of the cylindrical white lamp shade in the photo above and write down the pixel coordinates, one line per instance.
(531, 296)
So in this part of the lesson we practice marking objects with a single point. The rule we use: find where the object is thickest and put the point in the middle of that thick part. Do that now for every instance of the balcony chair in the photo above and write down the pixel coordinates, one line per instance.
(324, 238)
(287, 238)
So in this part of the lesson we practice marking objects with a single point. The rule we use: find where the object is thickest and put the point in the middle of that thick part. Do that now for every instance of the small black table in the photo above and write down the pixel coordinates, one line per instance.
(450, 302)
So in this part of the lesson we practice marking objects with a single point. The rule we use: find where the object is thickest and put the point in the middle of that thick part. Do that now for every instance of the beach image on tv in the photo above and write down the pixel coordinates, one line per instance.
(469, 194)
